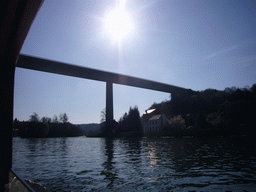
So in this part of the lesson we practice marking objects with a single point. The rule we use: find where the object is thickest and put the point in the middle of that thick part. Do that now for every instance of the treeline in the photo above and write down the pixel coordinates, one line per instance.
(46, 127)
(228, 112)
(129, 125)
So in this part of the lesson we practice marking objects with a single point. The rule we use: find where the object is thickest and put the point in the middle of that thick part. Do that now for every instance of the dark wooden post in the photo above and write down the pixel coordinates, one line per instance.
(109, 106)
(16, 19)
(6, 118)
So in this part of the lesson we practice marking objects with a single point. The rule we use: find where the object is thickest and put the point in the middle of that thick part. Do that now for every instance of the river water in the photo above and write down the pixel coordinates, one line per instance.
(145, 164)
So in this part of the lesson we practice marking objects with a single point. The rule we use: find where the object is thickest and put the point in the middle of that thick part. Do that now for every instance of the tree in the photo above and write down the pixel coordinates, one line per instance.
(55, 119)
(46, 120)
(230, 90)
(134, 119)
(103, 115)
(34, 117)
(64, 118)
(16, 121)
(177, 122)
(253, 88)
(34, 130)
(131, 122)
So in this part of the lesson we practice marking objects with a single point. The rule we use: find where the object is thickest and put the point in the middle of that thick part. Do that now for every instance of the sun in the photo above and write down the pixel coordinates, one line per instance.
(118, 23)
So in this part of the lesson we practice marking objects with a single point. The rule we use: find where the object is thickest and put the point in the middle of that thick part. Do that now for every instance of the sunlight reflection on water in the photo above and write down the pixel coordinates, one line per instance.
(158, 164)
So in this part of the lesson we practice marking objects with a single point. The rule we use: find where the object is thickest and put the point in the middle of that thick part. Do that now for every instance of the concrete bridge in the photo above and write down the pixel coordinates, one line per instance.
(16, 19)
(44, 65)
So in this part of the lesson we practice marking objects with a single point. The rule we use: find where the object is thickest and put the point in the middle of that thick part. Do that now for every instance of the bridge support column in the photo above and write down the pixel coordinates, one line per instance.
(109, 106)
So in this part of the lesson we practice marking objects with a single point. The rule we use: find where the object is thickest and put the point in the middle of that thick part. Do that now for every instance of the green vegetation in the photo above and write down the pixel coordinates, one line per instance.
(32, 129)
(130, 124)
(46, 127)
(211, 112)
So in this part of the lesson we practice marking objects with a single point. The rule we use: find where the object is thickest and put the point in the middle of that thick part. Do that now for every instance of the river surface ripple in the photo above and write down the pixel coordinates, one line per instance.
(146, 164)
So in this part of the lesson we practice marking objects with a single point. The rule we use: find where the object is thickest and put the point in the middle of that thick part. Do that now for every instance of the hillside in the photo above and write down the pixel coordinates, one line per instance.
(231, 110)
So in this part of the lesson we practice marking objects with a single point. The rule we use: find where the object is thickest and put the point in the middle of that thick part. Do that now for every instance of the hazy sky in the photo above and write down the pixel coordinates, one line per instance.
(196, 44)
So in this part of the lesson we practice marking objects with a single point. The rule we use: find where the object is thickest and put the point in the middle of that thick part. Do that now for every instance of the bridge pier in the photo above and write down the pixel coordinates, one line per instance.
(109, 107)
(39, 64)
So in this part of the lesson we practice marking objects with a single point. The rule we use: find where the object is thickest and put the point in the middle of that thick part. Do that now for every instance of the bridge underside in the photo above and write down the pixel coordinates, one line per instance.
(55, 67)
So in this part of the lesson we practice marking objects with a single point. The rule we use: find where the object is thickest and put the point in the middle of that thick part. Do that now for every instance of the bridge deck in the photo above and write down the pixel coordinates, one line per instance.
(44, 65)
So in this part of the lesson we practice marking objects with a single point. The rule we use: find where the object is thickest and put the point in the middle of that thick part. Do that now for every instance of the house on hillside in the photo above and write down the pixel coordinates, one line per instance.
(155, 123)
(148, 114)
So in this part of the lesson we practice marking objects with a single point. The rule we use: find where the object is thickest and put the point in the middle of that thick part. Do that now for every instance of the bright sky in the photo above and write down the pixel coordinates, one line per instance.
(193, 44)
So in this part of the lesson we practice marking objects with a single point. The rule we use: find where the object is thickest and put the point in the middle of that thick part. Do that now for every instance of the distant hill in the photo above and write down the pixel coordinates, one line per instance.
(88, 129)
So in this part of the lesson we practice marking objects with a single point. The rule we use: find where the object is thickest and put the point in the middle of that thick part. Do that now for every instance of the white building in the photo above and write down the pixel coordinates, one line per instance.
(155, 123)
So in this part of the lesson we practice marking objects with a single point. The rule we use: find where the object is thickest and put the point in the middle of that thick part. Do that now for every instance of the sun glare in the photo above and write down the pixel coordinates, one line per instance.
(118, 23)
